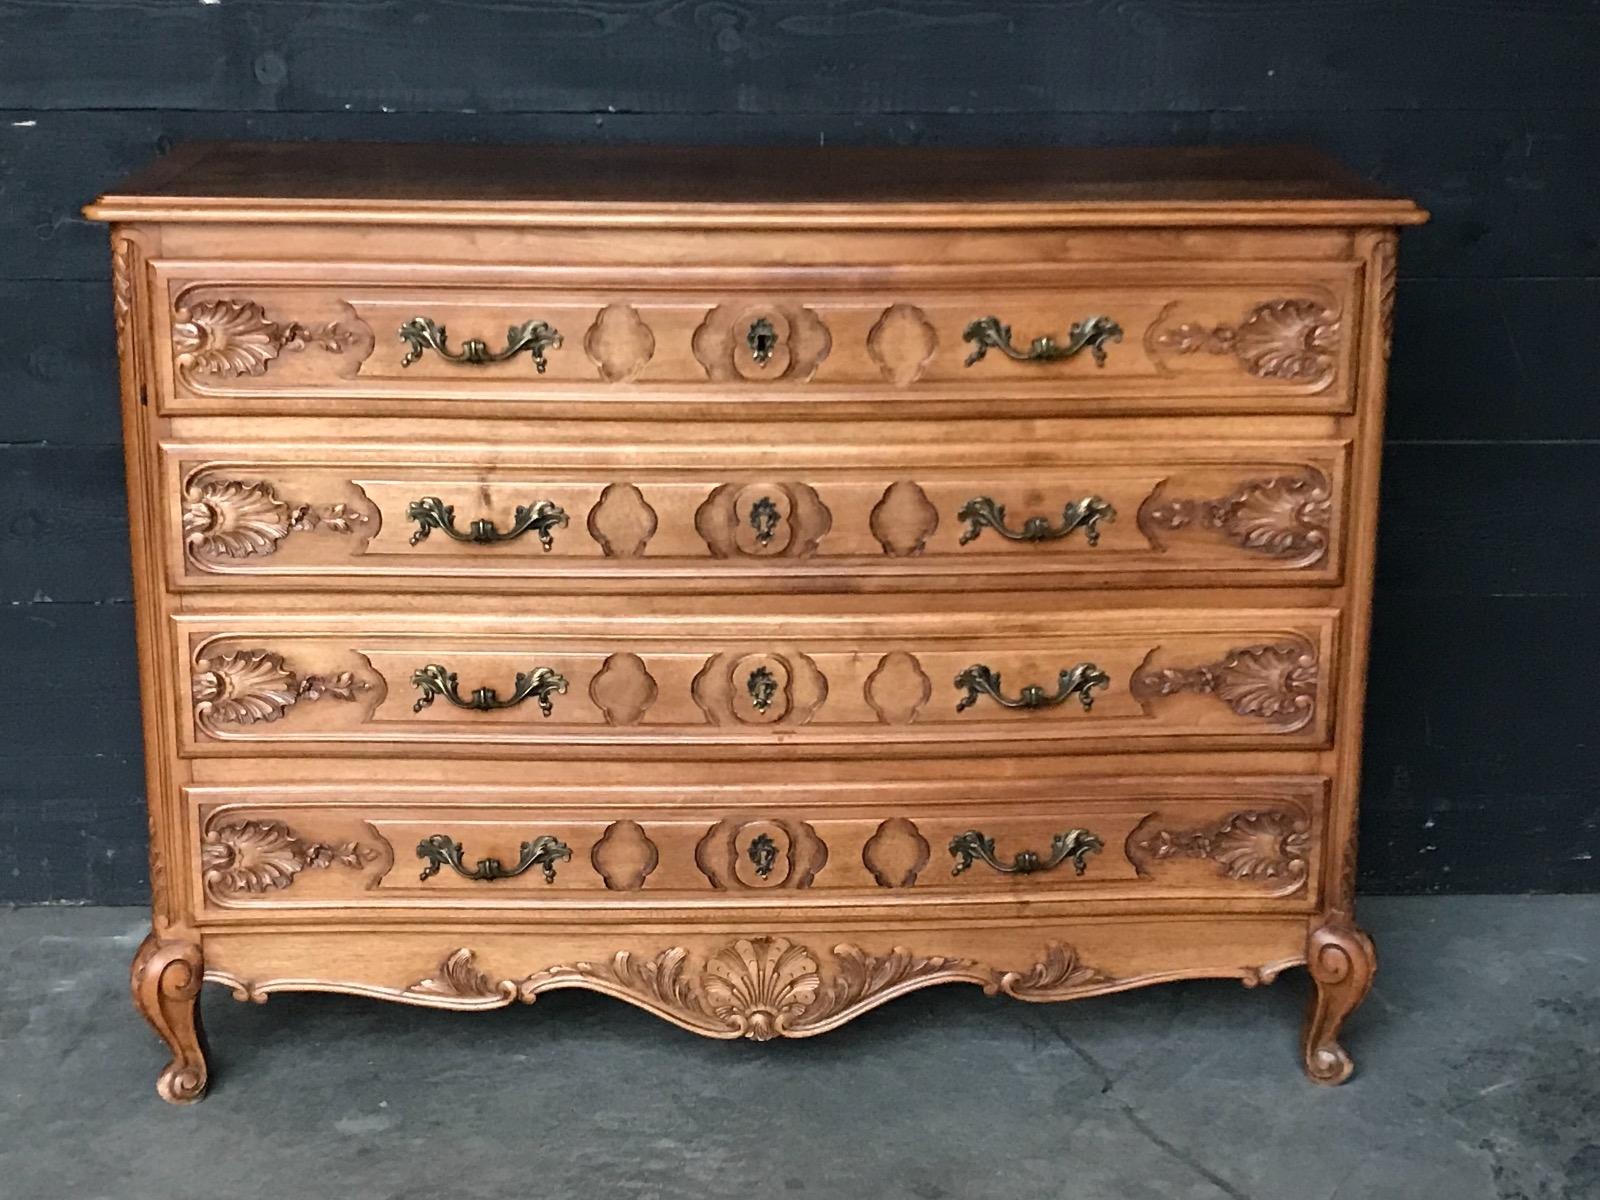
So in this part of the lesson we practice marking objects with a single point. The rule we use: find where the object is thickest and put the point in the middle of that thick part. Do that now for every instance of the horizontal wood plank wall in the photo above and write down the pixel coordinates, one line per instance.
(1482, 771)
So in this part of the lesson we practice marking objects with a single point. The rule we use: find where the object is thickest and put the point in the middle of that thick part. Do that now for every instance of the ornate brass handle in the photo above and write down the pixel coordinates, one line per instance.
(432, 513)
(1076, 844)
(982, 512)
(540, 683)
(421, 333)
(442, 850)
(1079, 680)
(1091, 333)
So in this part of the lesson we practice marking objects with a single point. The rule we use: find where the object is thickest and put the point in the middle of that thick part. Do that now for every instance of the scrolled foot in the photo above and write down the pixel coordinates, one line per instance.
(166, 978)
(1342, 963)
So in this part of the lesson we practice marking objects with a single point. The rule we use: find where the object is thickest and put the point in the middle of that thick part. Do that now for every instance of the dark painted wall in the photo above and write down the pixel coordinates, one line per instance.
(1483, 766)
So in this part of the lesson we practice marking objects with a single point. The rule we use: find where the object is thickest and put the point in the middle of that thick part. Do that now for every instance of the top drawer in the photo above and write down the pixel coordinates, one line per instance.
(1076, 339)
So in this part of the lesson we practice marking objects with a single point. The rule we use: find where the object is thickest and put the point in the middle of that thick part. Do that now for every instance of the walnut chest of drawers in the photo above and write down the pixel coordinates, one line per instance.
(749, 584)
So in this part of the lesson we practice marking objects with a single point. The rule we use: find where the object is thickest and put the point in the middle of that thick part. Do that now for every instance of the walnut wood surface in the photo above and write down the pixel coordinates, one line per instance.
(784, 516)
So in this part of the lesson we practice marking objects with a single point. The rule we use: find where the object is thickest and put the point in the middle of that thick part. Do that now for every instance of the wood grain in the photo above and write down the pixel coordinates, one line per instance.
(1205, 724)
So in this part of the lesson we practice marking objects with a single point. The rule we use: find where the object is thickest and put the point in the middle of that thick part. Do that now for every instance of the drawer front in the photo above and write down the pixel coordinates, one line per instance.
(739, 685)
(694, 518)
(1124, 840)
(1137, 337)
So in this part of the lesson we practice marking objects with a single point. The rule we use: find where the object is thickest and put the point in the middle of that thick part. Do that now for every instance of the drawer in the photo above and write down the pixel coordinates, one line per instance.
(698, 517)
(573, 678)
(426, 339)
(1124, 839)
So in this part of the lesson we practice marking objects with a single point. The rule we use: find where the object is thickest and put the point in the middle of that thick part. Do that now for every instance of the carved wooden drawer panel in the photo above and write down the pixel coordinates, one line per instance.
(1254, 842)
(898, 682)
(674, 517)
(750, 586)
(257, 338)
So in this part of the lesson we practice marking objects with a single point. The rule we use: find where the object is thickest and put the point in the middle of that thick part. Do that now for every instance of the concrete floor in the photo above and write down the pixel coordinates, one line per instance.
(1478, 1061)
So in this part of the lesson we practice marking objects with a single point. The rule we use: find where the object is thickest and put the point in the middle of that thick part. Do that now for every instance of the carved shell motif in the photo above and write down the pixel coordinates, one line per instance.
(1288, 339)
(1286, 516)
(228, 338)
(1295, 340)
(759, 987)
(235, 519)
(1254, 845)
(252, 856)
(1276, 683)
(229, 518)
(254, 685)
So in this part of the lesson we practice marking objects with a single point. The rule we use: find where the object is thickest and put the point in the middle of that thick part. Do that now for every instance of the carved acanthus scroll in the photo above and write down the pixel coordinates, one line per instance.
(239, 855)
(1275, 683)
(1286, 516)
(255, 685)
(235, 518)
(230, 338)
(760, 987)
(1293, 340)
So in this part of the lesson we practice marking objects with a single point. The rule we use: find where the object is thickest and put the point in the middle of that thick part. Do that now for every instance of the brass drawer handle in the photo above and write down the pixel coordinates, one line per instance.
(1076, 844)
(540, 683)
(1079, 680)
(1091, 333)
(421, 333)
(982, 512)
(442, 850)
(432, 513)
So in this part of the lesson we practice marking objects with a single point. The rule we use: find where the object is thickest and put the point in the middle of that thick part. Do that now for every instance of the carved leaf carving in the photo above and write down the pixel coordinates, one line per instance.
(229, 338)
(252, 856)
(1276, 683)
(254, 685)
(904, 519)
(231, 518)
(1255, 845)
(761, 987)
(1295, 340)
(1286, 516)
(1058, 973)
(862, 980)
(460, 979)
(621, 521)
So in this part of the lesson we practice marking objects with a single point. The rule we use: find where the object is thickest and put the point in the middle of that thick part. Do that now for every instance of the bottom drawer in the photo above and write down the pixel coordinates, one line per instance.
(1116, 839)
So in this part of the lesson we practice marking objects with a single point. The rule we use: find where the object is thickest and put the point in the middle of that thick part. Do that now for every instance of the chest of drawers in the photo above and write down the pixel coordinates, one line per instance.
(752, 585)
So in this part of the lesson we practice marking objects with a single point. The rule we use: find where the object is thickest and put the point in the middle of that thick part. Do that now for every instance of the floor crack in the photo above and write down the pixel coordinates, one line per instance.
(1108, 1081)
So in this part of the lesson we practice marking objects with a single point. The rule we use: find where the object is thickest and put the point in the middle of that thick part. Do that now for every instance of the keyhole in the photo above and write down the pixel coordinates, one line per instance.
(762, 340)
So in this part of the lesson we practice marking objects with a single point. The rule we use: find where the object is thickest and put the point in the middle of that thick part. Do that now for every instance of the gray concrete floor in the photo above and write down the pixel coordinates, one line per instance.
(1478, 1062)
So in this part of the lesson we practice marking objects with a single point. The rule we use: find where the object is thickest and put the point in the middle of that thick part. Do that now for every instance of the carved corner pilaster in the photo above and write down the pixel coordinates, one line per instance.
(165, 979)
(1342, 962)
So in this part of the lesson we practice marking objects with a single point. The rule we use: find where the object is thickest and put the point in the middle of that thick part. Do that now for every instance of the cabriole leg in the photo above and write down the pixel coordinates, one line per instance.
(166, 980)
(1342, 962)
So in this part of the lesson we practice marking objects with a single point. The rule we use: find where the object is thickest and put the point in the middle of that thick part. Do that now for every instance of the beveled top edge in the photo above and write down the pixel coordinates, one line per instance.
(664, 186)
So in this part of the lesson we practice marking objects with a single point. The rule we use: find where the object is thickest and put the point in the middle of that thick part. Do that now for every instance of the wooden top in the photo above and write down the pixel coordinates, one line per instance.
(724, 185)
